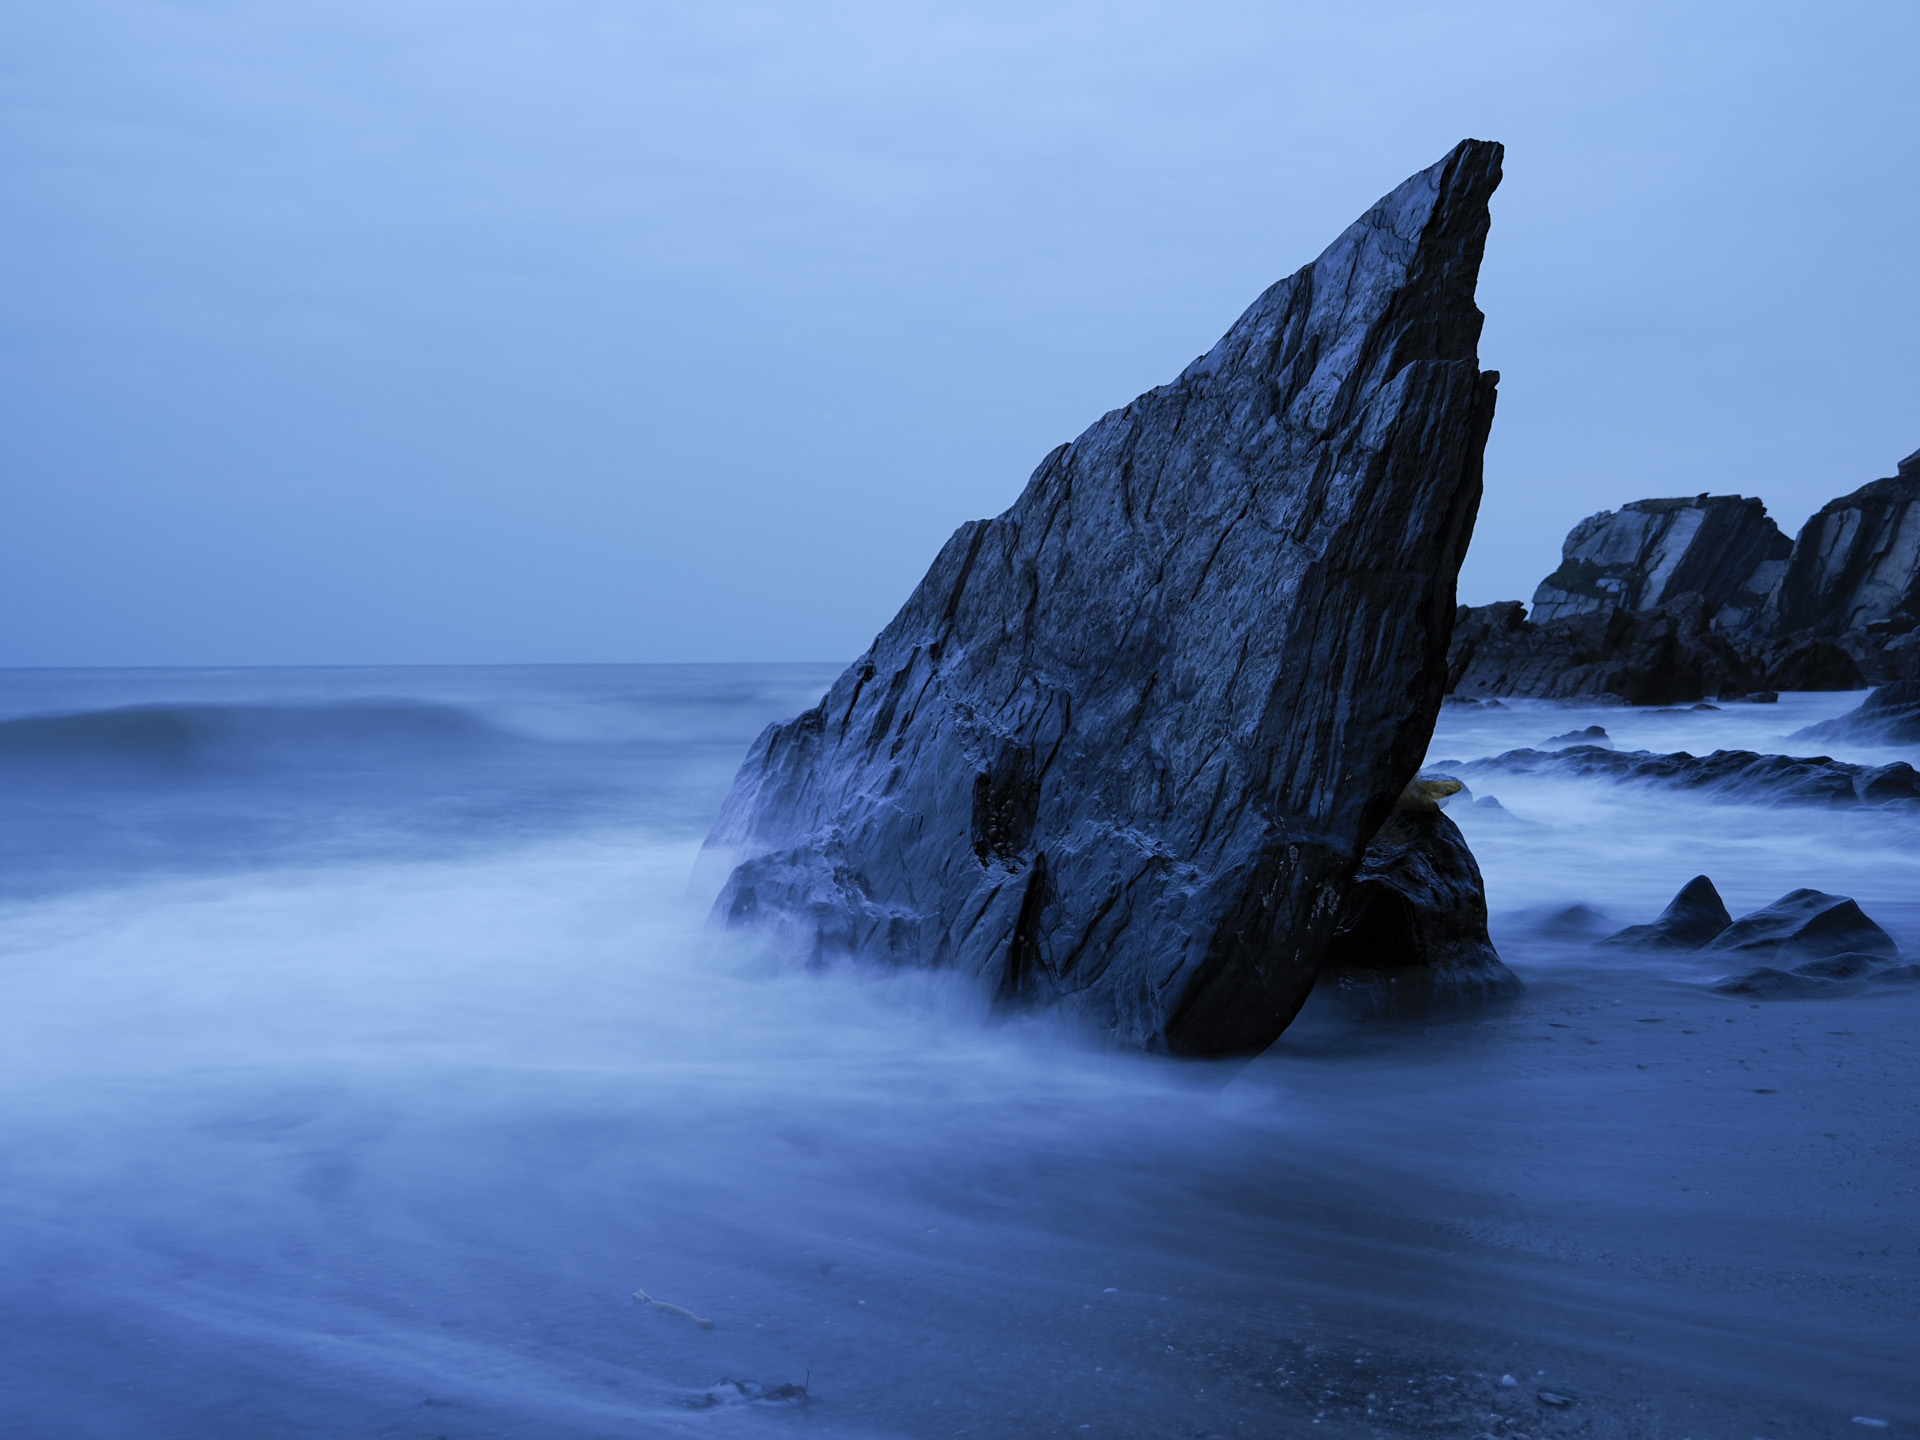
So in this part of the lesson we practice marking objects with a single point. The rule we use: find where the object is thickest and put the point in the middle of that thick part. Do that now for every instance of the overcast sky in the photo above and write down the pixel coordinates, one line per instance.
(346, 331)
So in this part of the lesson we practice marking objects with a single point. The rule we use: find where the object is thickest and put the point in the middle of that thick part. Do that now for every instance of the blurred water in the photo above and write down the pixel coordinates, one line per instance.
(365, 1051)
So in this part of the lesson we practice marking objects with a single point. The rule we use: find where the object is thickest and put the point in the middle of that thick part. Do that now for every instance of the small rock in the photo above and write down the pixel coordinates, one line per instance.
(1508, 1382)
(1692, 918)
(1554, 1397)
(1592, 735)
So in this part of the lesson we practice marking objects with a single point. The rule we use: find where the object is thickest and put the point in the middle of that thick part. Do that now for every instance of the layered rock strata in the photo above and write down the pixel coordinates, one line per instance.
(1123, 748)
(1669, 600)
(1856, 563)
(1722, 548)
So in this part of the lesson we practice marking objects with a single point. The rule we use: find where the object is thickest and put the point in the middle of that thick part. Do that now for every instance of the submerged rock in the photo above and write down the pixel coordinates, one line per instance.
(1590, 735)
(1816, 945)
(1123, 748)
(1805, 925)
(1650, 552)
(1691, 919)
(1890, 715)
(1412, 934)
(1739, 775)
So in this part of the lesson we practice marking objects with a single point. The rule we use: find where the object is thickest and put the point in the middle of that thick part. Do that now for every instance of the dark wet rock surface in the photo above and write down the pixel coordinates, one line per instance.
(1587, 735)
(1122, 749)
(1691, 919)
(1666, 656)
(1734, 775)
(1412, 935)
(1890, 715)
(1804, 925)
(1804, 945)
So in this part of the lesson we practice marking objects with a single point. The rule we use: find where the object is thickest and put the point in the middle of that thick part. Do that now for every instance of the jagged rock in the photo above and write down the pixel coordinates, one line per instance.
(1856, 562)
(1124, 746)
(1666, 656)
(1412, 934)
(1740, 775)
(1691, 919)
(1889, 716)
(1668, 600)
(1590, 735)
(1648, 553)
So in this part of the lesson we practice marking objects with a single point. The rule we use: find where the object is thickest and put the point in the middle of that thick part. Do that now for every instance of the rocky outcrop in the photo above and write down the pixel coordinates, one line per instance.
(1648, 553)
(1739, 775)
(1668, 656)
(1412, 935)
(1121, 751)
(1856, 563)
(1889, 716)
(1664, 601)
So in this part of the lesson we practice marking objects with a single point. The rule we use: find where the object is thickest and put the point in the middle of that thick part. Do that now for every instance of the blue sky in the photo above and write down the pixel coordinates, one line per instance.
(572, 330)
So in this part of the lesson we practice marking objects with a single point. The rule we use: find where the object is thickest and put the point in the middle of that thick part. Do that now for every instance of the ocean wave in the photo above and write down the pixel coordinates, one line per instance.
(170, 737)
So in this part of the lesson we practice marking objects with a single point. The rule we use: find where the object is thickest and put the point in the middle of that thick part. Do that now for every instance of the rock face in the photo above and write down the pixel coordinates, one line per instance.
(1413, 935)
(1691, 919)
(1856, 563)
(1738, 775)
(1889, 716)
(1650, 552)
(1123, 748)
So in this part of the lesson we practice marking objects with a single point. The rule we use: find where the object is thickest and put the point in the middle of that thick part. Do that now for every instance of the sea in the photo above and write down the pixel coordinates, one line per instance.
(368, 1067)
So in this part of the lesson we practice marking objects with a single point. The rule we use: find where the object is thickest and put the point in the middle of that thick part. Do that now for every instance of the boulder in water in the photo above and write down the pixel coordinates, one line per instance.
(1692, 918)
(1122, 750)
(1589, 735)
(1802, 926)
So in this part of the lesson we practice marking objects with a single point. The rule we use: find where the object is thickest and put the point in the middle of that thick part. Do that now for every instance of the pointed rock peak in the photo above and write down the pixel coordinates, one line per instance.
(1699, 903)
(1910, 465)
(1692, 918)
(1122, 749)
